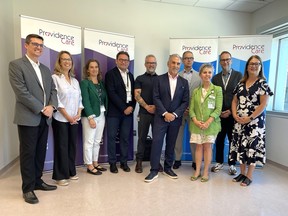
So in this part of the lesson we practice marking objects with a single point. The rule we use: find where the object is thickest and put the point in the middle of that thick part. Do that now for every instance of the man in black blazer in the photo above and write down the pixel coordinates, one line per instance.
(171, 98)
(227, 79)
(121, 103)
(36, 99)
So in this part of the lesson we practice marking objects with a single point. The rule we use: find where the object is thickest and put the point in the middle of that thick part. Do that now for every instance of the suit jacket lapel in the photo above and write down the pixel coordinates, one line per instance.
(31, 70)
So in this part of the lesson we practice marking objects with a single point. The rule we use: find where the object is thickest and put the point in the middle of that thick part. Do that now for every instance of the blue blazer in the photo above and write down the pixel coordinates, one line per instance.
(162, 98)
(116, 91)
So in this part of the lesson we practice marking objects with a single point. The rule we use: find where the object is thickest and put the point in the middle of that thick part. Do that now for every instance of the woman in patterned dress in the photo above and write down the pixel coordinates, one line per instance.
(251, 97)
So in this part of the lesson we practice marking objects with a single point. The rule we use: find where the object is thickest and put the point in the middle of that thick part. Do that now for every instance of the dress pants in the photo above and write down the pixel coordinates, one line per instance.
(92, 138)
(33, 143)
(145, 120)
(159, 132)
(123, 124)
(227, 125)
(179, 141)
(65, 140)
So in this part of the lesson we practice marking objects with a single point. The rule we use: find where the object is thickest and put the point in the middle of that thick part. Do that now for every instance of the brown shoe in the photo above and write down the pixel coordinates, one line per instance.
(138, 167)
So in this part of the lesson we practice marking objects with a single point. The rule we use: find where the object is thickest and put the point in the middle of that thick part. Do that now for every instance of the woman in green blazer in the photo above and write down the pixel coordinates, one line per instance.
(205, 109)
(94, 99)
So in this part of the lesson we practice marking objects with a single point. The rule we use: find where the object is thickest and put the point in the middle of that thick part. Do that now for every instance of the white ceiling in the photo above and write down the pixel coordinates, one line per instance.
(233, 5)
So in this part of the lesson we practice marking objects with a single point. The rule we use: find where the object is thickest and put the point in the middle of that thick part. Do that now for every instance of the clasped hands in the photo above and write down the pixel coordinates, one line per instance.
(169, 117)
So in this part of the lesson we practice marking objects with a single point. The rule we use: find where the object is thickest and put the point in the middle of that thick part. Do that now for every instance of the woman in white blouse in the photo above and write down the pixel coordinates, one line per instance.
(65, 120)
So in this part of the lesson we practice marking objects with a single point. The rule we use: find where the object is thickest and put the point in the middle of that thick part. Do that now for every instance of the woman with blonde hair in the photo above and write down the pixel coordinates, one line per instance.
(65, 120)
(205, 109)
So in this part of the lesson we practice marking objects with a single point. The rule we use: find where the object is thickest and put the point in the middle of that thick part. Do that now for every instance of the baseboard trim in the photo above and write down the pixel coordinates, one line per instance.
(8, 166)
(277, 165)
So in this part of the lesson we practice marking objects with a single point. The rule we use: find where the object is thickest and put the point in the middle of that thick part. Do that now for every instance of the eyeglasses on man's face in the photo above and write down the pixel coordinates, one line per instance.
(188, 58)
(151, 63)
(123, 60)
(225, 60)
(37, 44)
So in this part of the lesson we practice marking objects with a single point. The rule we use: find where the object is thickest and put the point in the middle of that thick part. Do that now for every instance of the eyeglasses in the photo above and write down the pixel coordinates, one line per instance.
(256, 64)
(66, 59)
(123, 60)
(188, 58)
(225, 60)
(151, 63)
(37, 44)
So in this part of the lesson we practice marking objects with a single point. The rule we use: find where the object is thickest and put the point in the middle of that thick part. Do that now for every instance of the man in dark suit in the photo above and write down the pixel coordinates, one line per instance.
(227, 79)
(121, 103)
(171, 98)
(36, 99)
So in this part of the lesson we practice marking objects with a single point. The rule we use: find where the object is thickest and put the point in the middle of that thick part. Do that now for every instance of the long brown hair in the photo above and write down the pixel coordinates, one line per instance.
(246, 75)
(86, 75)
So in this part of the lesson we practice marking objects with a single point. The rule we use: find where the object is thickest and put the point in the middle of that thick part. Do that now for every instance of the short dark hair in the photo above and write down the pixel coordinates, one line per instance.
(123, 52)
(28, 38)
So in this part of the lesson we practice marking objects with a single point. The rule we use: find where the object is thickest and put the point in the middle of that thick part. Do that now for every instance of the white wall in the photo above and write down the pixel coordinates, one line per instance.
(151, 23)
(8, 133)
(276, 125)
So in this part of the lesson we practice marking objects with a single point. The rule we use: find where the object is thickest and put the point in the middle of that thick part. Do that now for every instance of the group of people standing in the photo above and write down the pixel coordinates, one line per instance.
(166, 103)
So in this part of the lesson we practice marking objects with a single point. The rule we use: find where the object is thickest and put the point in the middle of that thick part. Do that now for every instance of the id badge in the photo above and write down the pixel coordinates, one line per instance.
(211, 104)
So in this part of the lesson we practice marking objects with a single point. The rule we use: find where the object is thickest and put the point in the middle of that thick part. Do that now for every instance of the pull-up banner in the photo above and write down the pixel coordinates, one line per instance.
(242, 47)
(57, 37)
(207, 50)
(104, 47)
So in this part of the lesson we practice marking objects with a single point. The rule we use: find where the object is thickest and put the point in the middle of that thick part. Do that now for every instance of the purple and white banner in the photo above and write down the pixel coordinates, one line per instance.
(104, 47)
(57, 37)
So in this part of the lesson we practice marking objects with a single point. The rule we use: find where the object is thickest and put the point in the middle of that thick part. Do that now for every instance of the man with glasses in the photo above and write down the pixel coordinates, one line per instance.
(36, 99)
(227, 79)
(120, 89)
(194, 81)
(144, 96)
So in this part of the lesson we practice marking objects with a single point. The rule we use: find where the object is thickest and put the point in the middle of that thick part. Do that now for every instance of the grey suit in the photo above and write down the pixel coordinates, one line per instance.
(32, 124)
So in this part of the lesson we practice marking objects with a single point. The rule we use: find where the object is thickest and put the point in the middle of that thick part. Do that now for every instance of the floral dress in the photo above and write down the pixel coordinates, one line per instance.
(248, 140)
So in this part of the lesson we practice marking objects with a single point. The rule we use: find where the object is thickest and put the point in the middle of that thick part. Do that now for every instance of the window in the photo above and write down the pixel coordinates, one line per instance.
(278, 74)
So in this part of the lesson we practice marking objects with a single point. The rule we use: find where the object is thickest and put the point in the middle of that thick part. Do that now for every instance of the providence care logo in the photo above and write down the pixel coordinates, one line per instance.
(202, 50)
(118, 46)
(255, 49)
(65, 39)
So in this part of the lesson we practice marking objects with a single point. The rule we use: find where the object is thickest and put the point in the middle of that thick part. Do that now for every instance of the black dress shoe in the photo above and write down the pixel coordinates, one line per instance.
(177, 164)
(138, 167)
(113, 168)
(45, 187)
(125, 167)
(30, 197)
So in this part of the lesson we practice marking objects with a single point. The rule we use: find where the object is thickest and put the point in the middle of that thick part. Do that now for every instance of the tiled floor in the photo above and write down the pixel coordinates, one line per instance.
(127, 194)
